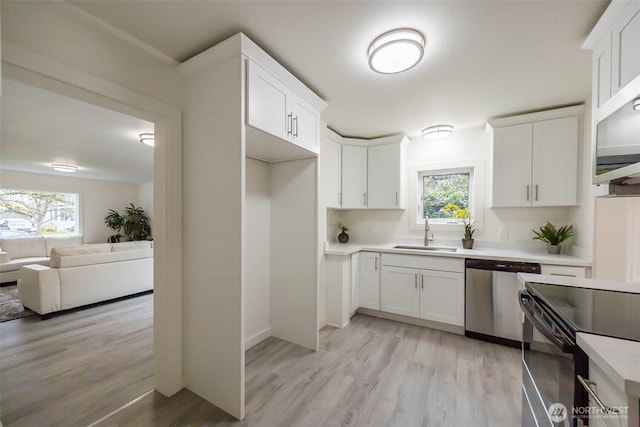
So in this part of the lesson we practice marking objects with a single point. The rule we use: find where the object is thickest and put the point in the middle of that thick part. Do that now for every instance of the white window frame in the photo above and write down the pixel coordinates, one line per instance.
(476, 170)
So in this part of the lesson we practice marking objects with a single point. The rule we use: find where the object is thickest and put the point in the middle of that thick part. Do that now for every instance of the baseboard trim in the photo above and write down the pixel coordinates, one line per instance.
(454, 329)
(322, 323)
(257, 338)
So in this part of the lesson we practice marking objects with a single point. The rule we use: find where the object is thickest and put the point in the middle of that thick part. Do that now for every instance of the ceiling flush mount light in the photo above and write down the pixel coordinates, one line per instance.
(396, 51)
(148, 139)
(60, 167)
(437, 132)
(636, 104)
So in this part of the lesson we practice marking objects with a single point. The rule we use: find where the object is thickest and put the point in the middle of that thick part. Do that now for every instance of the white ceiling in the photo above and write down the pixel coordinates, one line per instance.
(483, 59)
(40, 127)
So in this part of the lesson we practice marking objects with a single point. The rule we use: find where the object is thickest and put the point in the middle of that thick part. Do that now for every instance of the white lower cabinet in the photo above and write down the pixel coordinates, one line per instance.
(369, 280)
(354, 284)
(428, 294)
(399, 291)
(442, 297)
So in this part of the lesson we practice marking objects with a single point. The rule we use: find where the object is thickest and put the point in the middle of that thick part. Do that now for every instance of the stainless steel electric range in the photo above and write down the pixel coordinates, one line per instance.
(553, 364)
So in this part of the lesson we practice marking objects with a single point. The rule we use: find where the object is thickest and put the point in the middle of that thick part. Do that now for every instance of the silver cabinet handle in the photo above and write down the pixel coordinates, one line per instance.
(527, 193)
(364, 199)
(586, 383)
(422, 281)
(416, 280)
(290, 124)
(340, 198)
(396, 198)
(375, 263)
(295, 126)
(536, 192)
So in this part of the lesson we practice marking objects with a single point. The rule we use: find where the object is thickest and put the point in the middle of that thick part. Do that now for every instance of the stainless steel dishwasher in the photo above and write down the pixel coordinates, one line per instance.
(492, 310)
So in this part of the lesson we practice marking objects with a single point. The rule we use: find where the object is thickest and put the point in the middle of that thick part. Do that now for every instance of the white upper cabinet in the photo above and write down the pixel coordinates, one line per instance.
(625, 38)
(384, 176)
(273, 107)
(372, 173)
(535, 159)
(332, 172)
(354, 176)
(615, 41)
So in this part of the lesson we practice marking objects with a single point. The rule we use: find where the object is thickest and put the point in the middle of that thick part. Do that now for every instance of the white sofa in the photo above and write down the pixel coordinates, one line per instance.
(18, 251)
(86, 274)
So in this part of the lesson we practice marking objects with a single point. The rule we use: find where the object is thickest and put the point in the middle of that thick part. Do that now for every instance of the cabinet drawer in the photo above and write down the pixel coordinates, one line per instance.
(425, 262)
(563, 270)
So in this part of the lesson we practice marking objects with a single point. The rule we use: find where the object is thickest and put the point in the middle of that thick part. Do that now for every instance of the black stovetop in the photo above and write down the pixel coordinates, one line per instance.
(610, 313)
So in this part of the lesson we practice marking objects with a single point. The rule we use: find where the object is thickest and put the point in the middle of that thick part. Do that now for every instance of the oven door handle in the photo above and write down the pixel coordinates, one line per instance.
(564, 343)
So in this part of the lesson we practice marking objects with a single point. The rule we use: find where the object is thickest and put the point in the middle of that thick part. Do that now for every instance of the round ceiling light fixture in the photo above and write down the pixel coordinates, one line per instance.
(61, 167)
(636, 104)
(396, 51)
(437, 132)
(148, 139)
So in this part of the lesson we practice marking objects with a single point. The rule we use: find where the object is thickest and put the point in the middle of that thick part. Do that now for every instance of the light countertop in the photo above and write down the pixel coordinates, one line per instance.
(480, 253)
(619, 359)
(605, 285)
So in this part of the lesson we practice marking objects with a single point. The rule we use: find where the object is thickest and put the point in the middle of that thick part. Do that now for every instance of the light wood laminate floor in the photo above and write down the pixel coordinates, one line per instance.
(374, 372)
(75, 368)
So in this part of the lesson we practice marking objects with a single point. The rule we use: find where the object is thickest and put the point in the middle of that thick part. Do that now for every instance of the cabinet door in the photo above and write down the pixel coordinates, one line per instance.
(383, 176)
(354, 176)
(625, 40)
(399, 292)
(555, 162)
(602, 71)
(332, 159)
(512, 166)
(442, 297)
(305, 126)
(268, 102)
(370, 280)
(354, 300)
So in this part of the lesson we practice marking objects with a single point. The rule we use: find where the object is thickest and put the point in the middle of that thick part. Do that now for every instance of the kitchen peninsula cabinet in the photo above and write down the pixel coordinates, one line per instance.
(535, 158)
(250, 223)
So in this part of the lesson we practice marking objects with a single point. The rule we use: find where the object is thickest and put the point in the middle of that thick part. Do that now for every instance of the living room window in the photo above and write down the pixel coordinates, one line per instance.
(24, 213)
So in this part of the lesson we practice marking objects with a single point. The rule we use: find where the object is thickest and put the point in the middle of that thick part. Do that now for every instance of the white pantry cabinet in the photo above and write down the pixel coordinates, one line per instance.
(273, 107)
(535, 158)
(427, 293)
(370, 280)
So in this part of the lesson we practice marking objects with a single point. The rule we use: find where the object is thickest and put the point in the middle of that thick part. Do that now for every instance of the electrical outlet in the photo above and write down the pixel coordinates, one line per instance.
(372, 229)
(503, 233)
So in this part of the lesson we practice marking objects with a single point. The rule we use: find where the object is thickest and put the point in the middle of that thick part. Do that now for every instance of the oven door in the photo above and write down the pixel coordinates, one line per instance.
(547, 368)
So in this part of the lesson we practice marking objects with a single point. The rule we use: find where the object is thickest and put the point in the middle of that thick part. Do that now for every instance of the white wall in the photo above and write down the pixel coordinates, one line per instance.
(466, 144)
(95, 197)
(258, 256)
(145, 199)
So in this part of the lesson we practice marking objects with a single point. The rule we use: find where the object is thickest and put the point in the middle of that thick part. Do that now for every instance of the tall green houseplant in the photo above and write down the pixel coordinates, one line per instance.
(135, 224)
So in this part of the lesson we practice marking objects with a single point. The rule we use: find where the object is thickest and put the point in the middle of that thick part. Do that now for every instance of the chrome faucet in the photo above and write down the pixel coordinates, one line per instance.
(426, 232)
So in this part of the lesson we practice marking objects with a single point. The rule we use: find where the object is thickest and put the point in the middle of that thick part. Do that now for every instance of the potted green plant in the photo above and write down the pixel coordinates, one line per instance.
(553, 236)
(135, 224)
(343, 237)
(463, 215)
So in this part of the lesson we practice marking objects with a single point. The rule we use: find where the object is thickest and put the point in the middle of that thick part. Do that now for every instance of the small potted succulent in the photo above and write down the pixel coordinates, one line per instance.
(553, 236)
(465, 216)
(343, 237)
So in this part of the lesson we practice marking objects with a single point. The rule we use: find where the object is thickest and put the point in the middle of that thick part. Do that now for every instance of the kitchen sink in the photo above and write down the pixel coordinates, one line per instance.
(427, 248)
